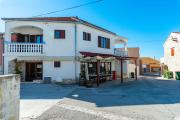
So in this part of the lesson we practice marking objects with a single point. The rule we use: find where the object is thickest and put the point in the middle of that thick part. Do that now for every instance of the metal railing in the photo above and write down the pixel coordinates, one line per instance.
(121, 53)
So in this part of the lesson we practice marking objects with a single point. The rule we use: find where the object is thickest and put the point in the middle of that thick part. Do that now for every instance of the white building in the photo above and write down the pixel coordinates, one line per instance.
(171, 52)
(41, 48)
(130, 64)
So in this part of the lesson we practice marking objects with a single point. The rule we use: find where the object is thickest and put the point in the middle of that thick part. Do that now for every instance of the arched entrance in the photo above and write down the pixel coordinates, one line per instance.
(27, 34)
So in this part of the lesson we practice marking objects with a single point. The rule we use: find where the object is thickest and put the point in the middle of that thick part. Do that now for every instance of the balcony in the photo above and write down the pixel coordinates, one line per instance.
(24, 48)
(121, 53)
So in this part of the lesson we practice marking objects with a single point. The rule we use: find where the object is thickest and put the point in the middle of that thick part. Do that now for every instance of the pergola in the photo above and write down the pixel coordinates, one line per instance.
(99, 57)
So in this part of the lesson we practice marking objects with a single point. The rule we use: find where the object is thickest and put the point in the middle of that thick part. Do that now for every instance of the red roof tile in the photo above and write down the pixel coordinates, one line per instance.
(63, 19)
(55, 18)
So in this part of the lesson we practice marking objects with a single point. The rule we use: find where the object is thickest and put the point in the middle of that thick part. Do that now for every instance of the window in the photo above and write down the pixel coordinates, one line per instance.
(103, 42)
(57, 64)
(59, 34)
(26, 38)
(86, 36)
(172, 51)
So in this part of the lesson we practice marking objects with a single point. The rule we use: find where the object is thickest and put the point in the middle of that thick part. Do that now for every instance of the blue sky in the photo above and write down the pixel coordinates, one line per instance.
(146, 23)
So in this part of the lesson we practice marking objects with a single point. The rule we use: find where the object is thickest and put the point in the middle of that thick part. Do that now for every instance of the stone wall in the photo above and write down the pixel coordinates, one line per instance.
(9, 97)
(11, 67)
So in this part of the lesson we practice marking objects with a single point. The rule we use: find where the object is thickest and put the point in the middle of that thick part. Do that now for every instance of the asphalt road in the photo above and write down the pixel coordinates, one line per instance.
(145, 99)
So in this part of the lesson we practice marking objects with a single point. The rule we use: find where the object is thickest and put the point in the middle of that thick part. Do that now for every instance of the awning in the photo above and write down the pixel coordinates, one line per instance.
(91, 54)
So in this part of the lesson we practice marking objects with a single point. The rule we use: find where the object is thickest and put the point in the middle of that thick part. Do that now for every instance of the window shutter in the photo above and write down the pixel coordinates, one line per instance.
(62, 34)
(99, 41)
(108, 43)
(89, 37)
(172, 51)
(13, 37)
(84, 36)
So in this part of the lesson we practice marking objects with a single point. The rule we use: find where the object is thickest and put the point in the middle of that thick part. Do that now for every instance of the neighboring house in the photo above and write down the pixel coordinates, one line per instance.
(171, 53)
(133, 52)
(1, 52)
(129, 64)
(58, 48)
(149, 65)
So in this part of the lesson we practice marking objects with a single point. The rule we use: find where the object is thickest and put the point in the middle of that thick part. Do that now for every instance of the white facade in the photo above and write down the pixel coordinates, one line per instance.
(172, 61)
(53, 49)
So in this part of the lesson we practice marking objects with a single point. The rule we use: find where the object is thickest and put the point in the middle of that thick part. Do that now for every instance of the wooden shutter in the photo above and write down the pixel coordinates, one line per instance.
(62, 34)
(99, 41)
(108, 43)
(84, 36)
(13, 37)
(172, 51)
(89, 36)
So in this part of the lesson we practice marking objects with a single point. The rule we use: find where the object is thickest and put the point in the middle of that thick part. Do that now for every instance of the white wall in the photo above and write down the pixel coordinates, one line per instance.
(66, 71)
(28, 30)
(173, 62)
(92, 46)
(53, 47)
(131, 68)
(118, 68)
(62, 47)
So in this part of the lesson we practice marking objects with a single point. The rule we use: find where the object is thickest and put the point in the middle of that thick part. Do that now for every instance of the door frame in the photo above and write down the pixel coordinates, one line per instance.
(28, 73)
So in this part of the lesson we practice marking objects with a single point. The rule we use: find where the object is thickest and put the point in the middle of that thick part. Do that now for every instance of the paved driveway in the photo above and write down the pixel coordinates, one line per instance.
(37, 98)
(146, 99)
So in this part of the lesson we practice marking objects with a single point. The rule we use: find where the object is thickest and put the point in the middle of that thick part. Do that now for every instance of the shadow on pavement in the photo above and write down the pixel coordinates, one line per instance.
(141, 92)
(44, 91)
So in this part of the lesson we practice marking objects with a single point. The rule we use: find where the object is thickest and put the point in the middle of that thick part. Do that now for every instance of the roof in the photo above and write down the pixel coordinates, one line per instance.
(170, 37)
(176, 32)
(148, 60)
(60, 19)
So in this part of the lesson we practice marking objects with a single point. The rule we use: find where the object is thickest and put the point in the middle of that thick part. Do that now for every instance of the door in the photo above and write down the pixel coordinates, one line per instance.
(33, 71)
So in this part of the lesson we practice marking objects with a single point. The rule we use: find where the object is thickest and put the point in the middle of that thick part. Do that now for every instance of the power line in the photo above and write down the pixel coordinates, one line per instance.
(77, 6)
(145, 41)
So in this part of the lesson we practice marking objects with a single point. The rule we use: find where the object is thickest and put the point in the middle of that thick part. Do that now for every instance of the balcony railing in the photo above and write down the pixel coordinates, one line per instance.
(121, 53)
(25, 48)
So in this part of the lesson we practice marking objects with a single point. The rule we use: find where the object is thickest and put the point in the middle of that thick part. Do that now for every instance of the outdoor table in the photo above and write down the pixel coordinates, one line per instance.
(93, 78)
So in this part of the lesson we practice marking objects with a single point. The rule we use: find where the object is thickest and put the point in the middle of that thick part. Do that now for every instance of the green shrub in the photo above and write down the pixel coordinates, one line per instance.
(168, 74)
(177, 75)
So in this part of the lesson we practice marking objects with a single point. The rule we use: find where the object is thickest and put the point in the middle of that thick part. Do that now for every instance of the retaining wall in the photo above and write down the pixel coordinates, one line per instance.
(9, 97)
